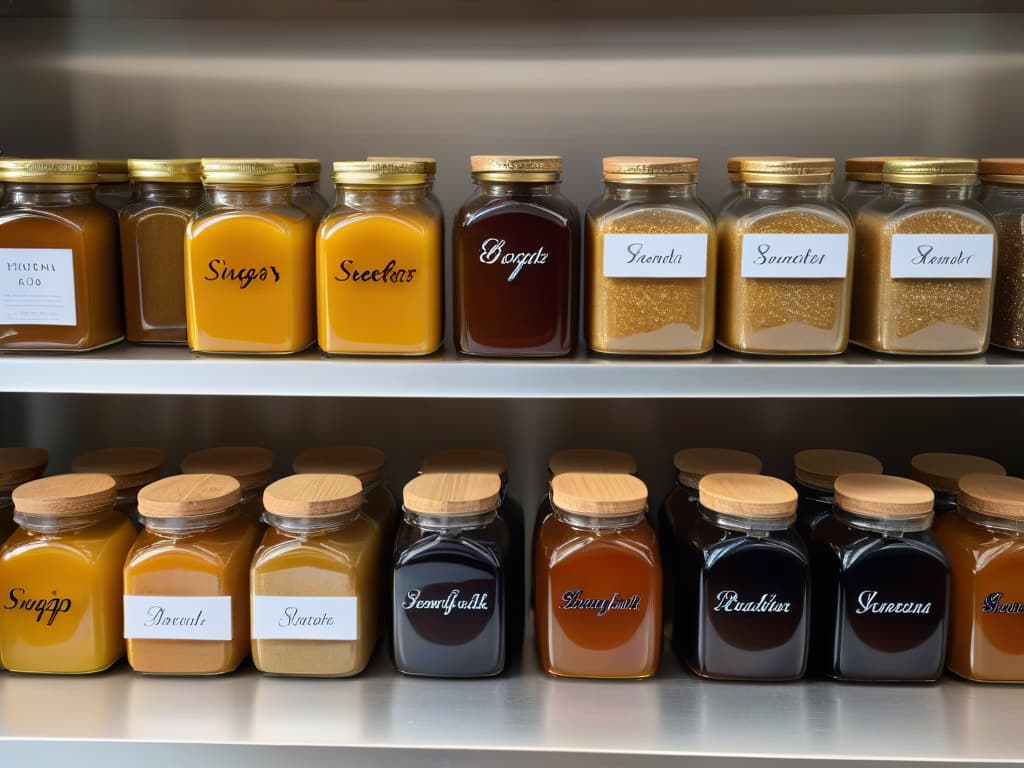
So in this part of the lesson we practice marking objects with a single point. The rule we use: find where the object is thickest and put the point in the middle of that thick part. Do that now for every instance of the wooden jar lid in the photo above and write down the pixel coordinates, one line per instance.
(19, 465)
(995, 495)
(942, 471)
(819, 467)
(314, 495)
(594, 494)
(362, 461)
(591, 460)
(130, 467)
(883, 496)
(747, 495)
(62, 495)
(462, 460)
(193, 495)
(694, 463)
(453, 493)
(249, 465)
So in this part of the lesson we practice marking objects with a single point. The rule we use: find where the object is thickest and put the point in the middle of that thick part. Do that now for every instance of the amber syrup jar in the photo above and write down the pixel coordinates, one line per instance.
(942, 472)
(816, 470)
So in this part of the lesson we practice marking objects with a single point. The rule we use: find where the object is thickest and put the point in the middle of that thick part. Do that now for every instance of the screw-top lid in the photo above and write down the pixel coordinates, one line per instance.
(19, 465)
(756, 497)
(390, 173)
(883, 496)
(130, 467)
(362, 461)
(942, 471)
(1006, 170)
(429, 163)
(189, 496)
(65, 495)
(732, 165)
(112, 170)
(452, 494)
(819, 467)
(466, 460)
(307, 168)
(694, 463)
(48, 170)
(184, 170)
(951, 171)
(598, 494)
(249, 465)
(249, 170)
(787, 170)
(637, 169)
(516, 167)
(994, 495)
(313, 495)
(866, 168)
(591, 460)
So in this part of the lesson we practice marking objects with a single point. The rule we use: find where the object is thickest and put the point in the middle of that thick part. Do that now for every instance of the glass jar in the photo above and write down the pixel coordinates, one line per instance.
(315, 579)
(305, 194)
(1003, 197)
(881, 584)
(60, 285)
(131, 468)
(785, 261)
(250, 465)
(249, 261)
(17, 465)
(450, 578)
(430, 168)
(942, 472)
(113, 188)
(746, 580)
(863, 182)
(816, 470)
(925, 262)
(984, 541)
(650, 264)
(186, 579)
(166, 194)
(60, 576)
(380, 263)
(598, 576)
(732, 168)
(516, 261)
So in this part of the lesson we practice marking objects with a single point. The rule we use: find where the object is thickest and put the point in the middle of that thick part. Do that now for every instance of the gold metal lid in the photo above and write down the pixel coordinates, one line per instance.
(591, 460)
(516, 167)
(48, 170)
(819, 467)
(951, 171)
(189, 496)
(472, 460)
(865, 168)
(61, 495)
(19, 465)
(391, 173)
(636, 169)
(694, 463)
(942, 471)
(249, 170)
(757, 497)
(883, 496)
(362, 461)
(429, 163)
(313, 495)
(787, 170)
(598, 494)
(1005, 170)
(452, 494)
(994, 495)
(249, 465)
(130, 467)
(185, 170)
(308, 169)
(112, 170)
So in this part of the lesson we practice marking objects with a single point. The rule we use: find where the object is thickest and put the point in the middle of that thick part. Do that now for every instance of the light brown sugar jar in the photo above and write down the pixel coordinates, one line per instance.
(1003, 197)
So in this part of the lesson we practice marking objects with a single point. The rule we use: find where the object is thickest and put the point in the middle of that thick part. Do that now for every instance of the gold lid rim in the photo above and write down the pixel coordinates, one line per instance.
(187, 170)
(48, 170)
(249, 171)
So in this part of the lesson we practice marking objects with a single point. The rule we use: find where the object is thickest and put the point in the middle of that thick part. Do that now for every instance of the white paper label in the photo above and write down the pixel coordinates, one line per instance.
(304, 618)
(795, 256)
(37, 287)
(942, 256)
(656, 255)
(158, 617)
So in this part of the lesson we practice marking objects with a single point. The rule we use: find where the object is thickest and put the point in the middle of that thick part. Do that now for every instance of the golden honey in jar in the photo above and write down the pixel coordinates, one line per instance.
(131, 468)
(17, 465)
(250, 465)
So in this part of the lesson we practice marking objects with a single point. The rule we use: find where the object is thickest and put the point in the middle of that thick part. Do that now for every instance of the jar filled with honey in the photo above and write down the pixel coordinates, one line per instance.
(816, 470)
(186, 579)
(60, 284)
(315, 579)
(250, 465)
(60, 577)
(598, 576)
(17, 465)
(942, 472)
(131, 469)
(306, 192)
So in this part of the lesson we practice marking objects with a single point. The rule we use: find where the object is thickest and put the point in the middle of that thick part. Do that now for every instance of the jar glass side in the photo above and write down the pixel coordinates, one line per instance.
(1005, 203)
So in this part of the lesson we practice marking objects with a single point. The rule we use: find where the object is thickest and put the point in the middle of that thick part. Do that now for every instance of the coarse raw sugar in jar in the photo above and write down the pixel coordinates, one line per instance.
(1002, 194)
(650, 260)
(17, 465)
(816, 470)
(785, 261)
(251, 465)
(131, 468)
(925, 265)
(942, 472)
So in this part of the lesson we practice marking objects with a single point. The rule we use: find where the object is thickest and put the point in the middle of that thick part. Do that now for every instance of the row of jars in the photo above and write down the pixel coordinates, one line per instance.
(758, 579)
(257, 263)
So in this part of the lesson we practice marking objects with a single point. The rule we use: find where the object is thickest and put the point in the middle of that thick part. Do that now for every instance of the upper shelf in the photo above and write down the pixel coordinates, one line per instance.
(134, 370)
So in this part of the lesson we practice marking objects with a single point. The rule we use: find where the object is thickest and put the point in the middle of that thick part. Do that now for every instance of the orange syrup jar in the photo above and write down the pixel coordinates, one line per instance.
(599, 581)
(60, 577)
(186, 579)
(17, 465)
(250, 465)
(249, 261)
(131, 468)
(316, 579)
(984, 541)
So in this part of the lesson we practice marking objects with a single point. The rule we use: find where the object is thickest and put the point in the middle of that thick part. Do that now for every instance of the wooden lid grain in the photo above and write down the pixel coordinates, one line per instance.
(942, 471)
(62, 495)
(596, 494)
(453, 493)
(362, 461)
(473, 460)
(130, 467)
(192, 495)
(694, 463)
(249, 465)
(19, 465)
(591, 460)
(995, 495)
(819, 467)
(314, 495)
(883, 495)
(748, 495)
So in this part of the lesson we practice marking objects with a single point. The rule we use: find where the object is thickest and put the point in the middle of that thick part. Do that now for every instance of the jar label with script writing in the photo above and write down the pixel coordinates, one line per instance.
(821, 256)
(932, 257)
(666, 255)
(159, 617)
(304, 618)
(37, 286)
(496, 251)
